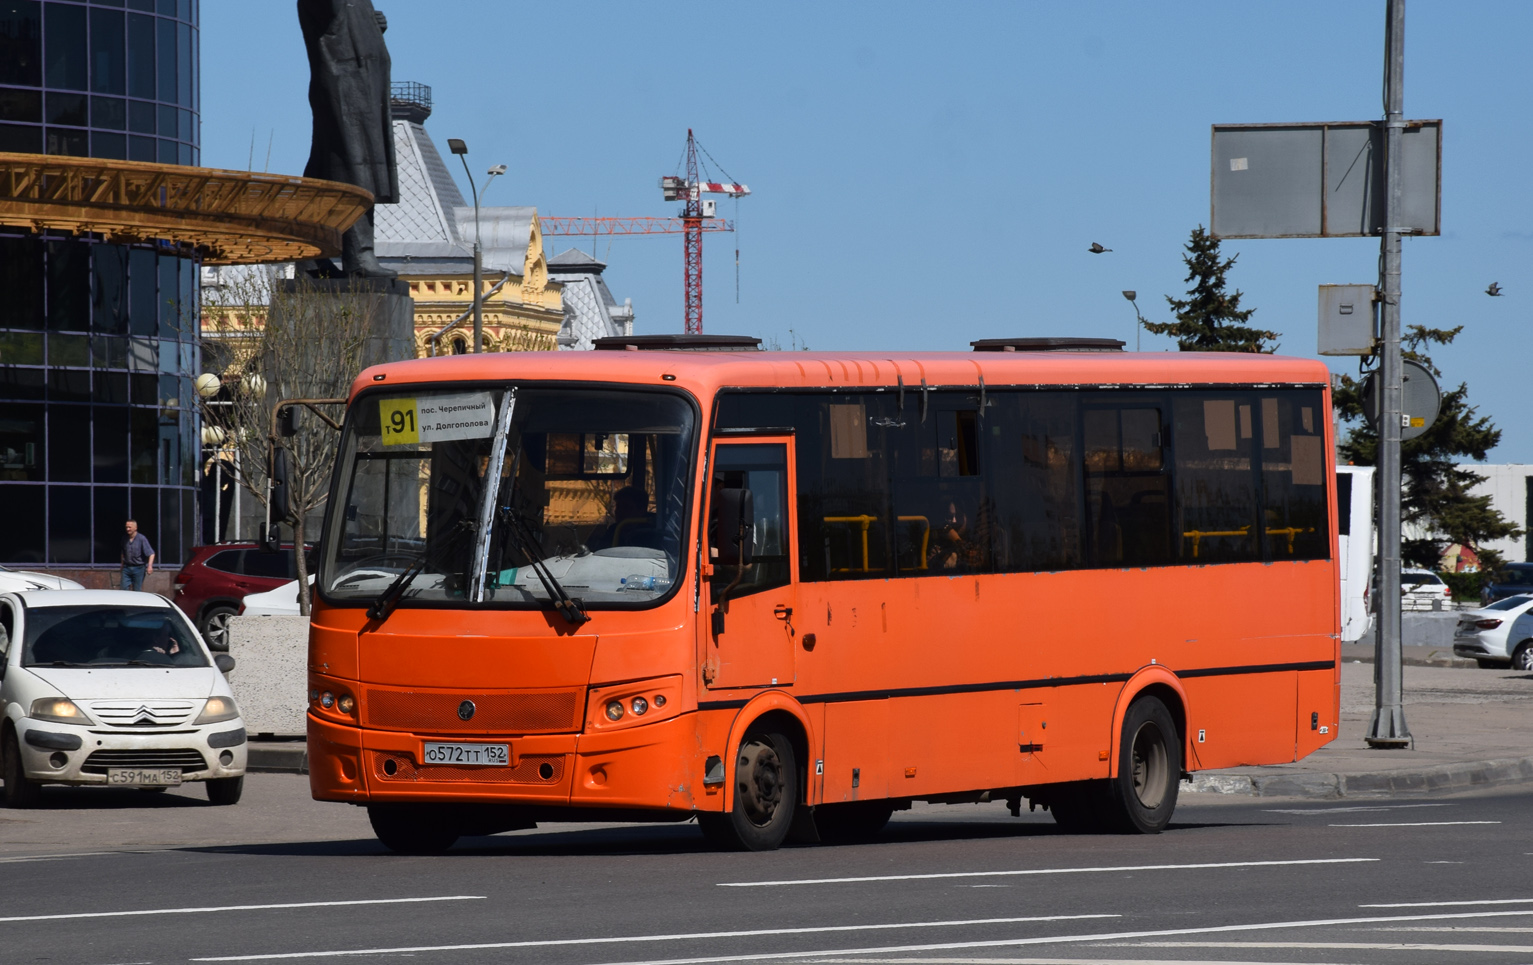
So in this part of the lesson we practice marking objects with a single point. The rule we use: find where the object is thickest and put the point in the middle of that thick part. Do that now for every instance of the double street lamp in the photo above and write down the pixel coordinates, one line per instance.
(459, 148)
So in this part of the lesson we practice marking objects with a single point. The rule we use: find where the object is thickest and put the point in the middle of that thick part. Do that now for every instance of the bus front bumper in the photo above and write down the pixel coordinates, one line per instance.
(648, 766)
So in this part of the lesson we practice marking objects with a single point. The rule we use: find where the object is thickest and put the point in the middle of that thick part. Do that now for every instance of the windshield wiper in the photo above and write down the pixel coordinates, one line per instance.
(390, 597)
(522, 536)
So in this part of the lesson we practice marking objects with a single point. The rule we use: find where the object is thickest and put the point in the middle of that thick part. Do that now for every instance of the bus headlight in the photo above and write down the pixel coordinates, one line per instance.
(614, 709)
(639, 705)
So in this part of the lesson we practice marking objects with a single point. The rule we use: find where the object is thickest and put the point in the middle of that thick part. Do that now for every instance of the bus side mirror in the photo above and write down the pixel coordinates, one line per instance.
(281, 479)
(735, 522)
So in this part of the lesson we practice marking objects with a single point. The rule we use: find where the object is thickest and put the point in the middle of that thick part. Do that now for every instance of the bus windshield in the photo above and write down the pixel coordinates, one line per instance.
(589, 497)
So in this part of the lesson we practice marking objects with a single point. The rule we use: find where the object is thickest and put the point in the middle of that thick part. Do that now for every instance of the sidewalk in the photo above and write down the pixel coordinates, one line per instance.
(1472, 729)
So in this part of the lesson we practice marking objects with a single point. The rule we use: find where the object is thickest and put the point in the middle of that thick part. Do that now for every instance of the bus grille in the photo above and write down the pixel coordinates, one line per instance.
(542, 769)
(527, 712)
(187, 759)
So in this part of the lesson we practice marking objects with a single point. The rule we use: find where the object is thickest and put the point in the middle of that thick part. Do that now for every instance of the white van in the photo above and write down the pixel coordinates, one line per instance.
(112, 687)
(1355, 548)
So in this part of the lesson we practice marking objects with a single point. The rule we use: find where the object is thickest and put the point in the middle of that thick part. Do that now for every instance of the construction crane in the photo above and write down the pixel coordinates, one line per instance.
(696, 217)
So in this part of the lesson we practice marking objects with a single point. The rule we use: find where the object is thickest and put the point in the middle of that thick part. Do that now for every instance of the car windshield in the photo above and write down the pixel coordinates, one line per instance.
(1511, 602)
(590, 491)
(1419, 577)
(109, 636)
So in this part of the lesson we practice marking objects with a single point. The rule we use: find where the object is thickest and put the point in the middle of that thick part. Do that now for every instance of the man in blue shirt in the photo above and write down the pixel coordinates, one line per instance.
(137, 558)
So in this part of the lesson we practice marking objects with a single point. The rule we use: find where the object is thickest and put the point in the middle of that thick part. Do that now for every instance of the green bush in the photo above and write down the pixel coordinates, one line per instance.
(1465, 586)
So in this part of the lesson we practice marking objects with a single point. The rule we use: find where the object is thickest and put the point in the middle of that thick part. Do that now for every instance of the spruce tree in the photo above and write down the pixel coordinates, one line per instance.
(1435, 499)
(1210, 319)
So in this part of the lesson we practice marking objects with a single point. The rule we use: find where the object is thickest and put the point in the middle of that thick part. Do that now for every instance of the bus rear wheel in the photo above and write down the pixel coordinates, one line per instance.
(1143, 795)
(412, 828)
(766, 795)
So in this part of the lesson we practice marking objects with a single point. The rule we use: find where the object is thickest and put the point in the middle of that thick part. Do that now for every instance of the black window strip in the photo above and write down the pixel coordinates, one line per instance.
(858, 695)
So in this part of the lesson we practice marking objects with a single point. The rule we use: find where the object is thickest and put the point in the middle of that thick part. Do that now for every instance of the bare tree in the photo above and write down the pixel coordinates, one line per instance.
(273, 339)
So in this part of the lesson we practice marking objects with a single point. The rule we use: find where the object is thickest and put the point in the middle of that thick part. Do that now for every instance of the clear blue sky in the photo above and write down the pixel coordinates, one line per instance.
(924, 175)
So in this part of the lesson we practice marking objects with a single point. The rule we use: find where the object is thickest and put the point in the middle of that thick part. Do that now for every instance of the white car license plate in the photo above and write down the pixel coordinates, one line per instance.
(144, 776)
(484, 755)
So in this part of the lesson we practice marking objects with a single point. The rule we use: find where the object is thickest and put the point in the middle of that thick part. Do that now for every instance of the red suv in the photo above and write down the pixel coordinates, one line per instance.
(211, 585)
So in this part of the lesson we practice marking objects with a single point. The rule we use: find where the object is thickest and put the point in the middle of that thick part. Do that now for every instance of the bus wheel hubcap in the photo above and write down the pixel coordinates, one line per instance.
(759, 782)
(1149, 766)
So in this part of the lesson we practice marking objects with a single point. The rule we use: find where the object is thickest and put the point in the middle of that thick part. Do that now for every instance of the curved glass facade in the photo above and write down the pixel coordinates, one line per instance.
(100, 79)
(98, 342)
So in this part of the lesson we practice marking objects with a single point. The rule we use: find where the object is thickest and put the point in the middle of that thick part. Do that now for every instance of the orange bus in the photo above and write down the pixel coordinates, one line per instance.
(786, 593)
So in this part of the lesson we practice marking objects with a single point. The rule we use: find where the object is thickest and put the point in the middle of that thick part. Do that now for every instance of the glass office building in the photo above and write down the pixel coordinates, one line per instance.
(98, 341)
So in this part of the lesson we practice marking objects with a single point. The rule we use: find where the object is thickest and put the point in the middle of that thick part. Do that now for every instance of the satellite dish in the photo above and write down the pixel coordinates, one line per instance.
(1420, 399)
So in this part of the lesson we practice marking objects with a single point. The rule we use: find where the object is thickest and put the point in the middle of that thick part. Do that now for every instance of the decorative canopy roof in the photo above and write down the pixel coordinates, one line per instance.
(228, 217)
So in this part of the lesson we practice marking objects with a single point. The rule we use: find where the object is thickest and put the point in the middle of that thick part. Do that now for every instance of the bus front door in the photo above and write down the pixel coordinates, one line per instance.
(753, 579)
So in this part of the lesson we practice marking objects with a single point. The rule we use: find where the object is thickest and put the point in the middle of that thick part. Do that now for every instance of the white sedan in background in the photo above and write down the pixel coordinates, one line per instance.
(1498, 635)
(12, 581)
(281, 602)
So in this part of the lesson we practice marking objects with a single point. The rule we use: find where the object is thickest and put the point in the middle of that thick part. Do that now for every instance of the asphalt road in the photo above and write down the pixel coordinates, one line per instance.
(106, 877)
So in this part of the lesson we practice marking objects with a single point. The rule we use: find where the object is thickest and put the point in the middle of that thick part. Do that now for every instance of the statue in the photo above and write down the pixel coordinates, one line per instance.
(353, 133)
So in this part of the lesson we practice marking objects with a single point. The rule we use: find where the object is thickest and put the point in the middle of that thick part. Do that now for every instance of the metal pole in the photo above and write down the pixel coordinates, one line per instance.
(478, 286)
(1387, 728)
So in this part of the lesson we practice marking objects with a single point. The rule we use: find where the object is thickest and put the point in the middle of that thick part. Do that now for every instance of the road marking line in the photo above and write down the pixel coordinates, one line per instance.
(1334, 946)
(1043, 961)
(886, 949)
(1378, 807)
(200, 911)
(660, 938)
(1413, 824)
(1477, 928)
(54, 857)
(1038, 871)
(1446, 904)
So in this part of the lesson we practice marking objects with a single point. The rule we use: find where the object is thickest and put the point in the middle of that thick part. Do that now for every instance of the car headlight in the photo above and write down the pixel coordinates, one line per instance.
(217, 709)
(59, 709)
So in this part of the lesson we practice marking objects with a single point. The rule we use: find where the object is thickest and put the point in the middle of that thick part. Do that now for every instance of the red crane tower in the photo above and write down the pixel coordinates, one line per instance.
(696, 218)
(697, 208)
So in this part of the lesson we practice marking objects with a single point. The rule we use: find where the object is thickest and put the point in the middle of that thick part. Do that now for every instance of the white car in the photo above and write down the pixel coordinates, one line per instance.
(11, 580)
(281, 602)
(1498, 635)
(1424, 590)
(113, 688)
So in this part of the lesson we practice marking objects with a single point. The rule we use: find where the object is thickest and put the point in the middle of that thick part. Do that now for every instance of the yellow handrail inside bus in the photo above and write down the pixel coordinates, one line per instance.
(1197, 535)
(864, 523)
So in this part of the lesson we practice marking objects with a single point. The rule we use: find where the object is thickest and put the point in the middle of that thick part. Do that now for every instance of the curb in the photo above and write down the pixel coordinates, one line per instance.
(265, 758)
(1444, 778)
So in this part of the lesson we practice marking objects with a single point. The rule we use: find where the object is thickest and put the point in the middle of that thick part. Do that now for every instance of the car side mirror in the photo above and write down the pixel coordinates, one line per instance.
(735, 522)
(223, 662)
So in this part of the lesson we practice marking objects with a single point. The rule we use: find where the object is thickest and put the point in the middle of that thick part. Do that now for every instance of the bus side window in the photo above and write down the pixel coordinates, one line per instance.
(1127, 498)
(1030, 468)
(1293, 475)
(1215, 483)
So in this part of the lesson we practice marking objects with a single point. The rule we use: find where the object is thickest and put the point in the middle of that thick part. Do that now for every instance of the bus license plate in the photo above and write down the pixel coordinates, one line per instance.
(144, 776)
(483, 755)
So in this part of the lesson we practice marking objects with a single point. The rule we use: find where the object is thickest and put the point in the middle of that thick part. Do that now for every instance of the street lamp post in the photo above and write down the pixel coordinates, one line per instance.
(1138, 318)
(459, 148)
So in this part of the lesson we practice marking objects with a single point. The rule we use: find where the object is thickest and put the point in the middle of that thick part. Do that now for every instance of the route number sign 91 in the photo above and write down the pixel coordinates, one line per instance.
(436, 417)
(400, 421)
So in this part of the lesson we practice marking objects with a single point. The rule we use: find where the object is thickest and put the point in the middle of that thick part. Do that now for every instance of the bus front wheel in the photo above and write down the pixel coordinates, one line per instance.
(766, 794)
(1143, 795)
(412, 829)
